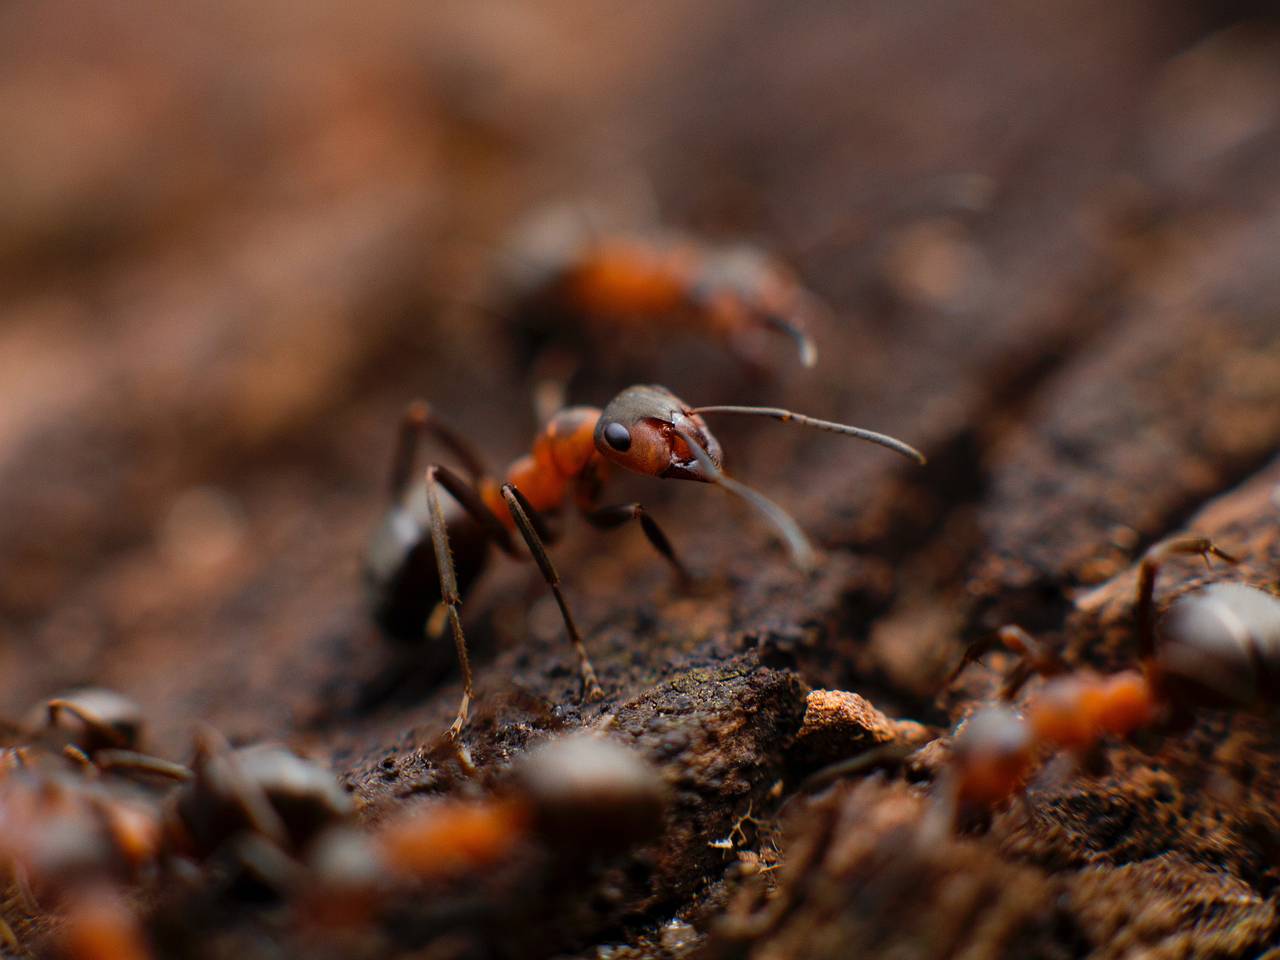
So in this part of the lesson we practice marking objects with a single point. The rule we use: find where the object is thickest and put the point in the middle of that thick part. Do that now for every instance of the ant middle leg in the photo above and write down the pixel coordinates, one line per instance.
(610, 518)
(523, 514)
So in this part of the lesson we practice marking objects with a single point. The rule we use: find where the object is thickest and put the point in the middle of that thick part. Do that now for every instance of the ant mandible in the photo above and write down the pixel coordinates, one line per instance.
(1218, 646)
(424, 556)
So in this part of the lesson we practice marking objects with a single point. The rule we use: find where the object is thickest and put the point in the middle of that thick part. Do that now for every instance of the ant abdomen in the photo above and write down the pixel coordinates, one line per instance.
(400, 572)
(1220, 646)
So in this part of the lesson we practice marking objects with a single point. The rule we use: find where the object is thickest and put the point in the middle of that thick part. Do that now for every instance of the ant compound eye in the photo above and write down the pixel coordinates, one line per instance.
(617, 436)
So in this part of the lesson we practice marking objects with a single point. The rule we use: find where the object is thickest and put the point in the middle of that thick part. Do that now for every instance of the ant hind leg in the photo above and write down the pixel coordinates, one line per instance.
(418, 419)
(449, 597)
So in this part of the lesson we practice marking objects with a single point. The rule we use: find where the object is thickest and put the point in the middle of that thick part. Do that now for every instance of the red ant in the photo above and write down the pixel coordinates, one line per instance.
(581, 797)
(67, 842)
(1218, 646)
(561, 268)
(423, 556)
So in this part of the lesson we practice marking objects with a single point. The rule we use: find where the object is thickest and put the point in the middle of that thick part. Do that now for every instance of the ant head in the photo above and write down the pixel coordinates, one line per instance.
(638, 431)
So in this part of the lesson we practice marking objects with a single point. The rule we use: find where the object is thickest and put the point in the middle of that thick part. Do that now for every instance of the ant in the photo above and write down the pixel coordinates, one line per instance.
(1216, 647)
(561, 268)
(64, 838)
(582, 798)
(424, 556)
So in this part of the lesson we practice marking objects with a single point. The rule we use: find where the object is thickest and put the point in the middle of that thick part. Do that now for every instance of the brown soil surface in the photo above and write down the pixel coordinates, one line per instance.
(234, 244)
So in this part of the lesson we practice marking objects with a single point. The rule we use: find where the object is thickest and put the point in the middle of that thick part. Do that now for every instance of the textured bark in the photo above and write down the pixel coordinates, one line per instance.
(1047, 239)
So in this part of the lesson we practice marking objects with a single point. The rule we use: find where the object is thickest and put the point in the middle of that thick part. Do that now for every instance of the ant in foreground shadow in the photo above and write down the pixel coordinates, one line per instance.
(425, 554)
(1216, 647)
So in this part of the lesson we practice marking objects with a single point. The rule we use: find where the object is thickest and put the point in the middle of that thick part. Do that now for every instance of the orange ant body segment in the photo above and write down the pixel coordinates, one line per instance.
(426, 554)
(580, 796)
(100, 926)
(562, 271)
(1218, 646)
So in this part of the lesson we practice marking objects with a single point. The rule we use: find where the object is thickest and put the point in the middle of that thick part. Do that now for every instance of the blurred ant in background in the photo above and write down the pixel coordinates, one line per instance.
(102, 729)
(581, 797)
(424, 556)
(1216, 647)
(260, 806)
(568, 284)
(70, 844)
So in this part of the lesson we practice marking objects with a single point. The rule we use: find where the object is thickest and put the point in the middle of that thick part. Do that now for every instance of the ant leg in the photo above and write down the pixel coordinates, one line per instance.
(609, 518)
(79, 757)
(94, 724)
(215, 762)
(1147, 571)
(972, 654)
(1033, 657)
(882, 756)
(140, 763)
(553, 368)
(449, 597)
(470, 501)
(419, 419)
(450, 600)
(521, 511)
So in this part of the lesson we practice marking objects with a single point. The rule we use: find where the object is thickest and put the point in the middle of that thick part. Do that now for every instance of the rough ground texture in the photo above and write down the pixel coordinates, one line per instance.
(233, 245)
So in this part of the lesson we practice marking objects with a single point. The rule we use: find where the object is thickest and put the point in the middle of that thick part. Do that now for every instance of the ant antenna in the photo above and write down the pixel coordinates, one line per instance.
(777, 413)
(808, 349)
(801, 550)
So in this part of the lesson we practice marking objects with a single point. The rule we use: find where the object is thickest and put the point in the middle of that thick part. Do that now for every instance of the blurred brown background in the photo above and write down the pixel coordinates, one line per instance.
(236, 238)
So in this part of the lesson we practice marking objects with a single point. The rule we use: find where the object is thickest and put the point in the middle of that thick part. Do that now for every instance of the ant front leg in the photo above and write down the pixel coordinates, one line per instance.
(527, 522)
(610, 518)
(1033, 657)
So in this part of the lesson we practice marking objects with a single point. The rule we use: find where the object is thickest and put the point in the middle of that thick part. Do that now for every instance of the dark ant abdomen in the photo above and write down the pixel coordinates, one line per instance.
(400, 566)
(1221, 646)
